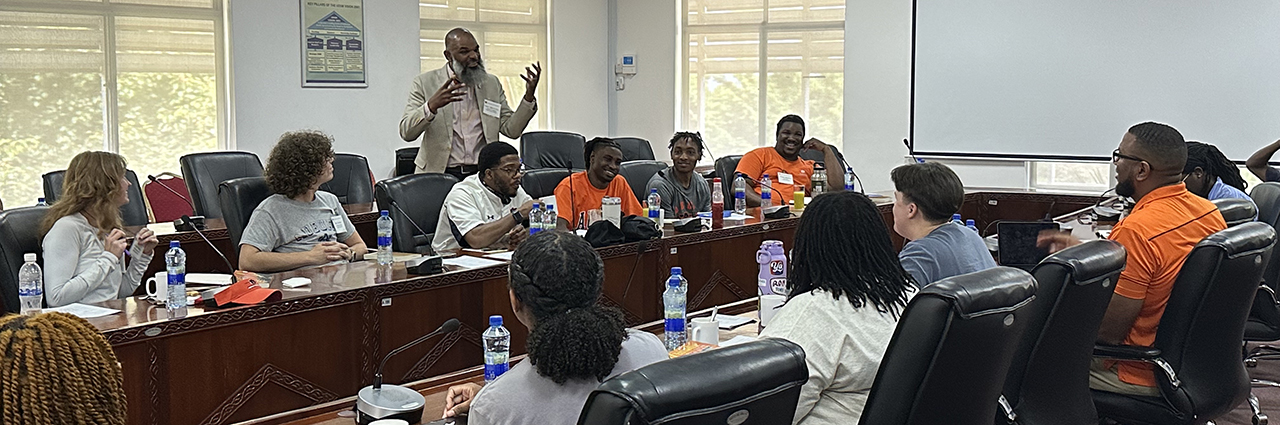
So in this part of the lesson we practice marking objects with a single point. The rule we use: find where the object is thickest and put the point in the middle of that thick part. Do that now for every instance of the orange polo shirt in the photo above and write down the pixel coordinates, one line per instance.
(575, 196)
(1158, 235)
(760, 161)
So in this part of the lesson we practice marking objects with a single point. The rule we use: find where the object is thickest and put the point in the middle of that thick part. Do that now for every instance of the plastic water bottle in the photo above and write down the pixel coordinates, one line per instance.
(549, 218)
(970, 224)
(41, 203)
(766, 193)
(175, 262)
(717, 204)
(673, 304)
(384, 239)
(955, 218)
(535, 218)
(818, 181)
(30, 284)
(848, 178)
(655, 207)
(497, 349)
(740, 195)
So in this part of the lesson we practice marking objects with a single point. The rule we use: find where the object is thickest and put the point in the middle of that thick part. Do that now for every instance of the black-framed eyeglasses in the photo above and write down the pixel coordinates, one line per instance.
(1116, 155)
(511, 170)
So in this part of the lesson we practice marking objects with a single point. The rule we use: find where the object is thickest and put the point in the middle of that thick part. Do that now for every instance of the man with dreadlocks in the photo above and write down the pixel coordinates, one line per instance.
(684, 193)
(57, 369)
(1211, 175)
(846, 291)
(583, 191)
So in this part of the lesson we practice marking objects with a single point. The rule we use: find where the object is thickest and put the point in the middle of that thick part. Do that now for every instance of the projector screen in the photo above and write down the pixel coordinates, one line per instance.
(1051, 78)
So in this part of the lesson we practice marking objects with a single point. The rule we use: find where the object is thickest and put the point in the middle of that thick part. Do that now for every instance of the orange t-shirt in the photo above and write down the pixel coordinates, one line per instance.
(1158, 235)
(575, 196)
(766, 160)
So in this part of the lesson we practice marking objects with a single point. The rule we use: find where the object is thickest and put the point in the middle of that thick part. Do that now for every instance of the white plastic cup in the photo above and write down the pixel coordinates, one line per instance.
(158, 287)
(705, 330)
(769, 305)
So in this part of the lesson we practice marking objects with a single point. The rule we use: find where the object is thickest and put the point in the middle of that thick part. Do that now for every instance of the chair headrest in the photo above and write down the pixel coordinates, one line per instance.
(1244, 239)
(1236, 211)
(975, 294)
(1090, 260)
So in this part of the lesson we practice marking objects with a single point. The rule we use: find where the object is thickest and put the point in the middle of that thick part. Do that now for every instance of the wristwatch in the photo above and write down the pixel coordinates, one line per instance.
(515, 213)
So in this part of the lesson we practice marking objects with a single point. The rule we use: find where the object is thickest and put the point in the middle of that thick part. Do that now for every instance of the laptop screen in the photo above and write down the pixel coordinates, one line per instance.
(1017, 240)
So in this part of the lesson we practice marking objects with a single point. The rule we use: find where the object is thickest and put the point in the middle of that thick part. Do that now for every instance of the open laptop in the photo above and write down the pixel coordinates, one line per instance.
(1017, 241)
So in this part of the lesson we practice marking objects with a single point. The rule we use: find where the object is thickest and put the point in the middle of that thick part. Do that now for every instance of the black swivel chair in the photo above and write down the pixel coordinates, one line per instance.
(638, 174)
(552, 149)
(1048, 379)
(421, 196)
(405, 158)
(239, 197)
(19, 234)
(947, 360)
(635, 149)
(1264, 317)
(352, 183)
(754, 383)
(725, 167)
(1196, 355)
(204, 171)
(1236, 211)
(543, 181)
(133, 213)
(816, 156)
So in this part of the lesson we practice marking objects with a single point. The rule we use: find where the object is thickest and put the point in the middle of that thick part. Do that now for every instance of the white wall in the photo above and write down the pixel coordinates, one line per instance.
(581, 76)
(877, 88)
(646, 108)
(267, 81)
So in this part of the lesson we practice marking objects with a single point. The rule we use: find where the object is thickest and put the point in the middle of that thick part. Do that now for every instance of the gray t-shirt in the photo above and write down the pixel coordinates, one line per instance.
(523, 397)
(677, 200)
(949, 250)
(281, 224)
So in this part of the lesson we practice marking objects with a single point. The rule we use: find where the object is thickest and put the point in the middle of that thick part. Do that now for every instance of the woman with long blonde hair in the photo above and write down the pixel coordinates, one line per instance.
(84, 244)
(56, 368)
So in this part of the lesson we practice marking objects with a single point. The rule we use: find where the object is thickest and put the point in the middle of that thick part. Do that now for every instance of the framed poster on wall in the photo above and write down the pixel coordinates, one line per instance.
(333, 50)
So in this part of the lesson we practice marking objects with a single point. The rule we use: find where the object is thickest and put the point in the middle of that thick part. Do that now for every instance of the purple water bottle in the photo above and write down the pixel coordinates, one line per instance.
(773, 268)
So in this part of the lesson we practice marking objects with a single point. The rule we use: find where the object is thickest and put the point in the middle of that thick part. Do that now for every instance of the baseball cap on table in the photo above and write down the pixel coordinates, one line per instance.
(245, 292)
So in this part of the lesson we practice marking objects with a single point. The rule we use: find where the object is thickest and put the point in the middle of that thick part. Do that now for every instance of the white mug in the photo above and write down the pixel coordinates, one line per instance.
(768, 307)
(158, 287)
(705, 330)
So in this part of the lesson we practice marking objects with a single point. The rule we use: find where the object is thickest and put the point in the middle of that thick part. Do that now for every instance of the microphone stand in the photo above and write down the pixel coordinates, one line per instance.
(390, 401)
(231, 269)
(430, 262)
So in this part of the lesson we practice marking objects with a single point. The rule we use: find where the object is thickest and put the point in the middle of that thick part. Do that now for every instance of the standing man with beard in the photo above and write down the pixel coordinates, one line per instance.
(486, 209)
(459, 108)
(787, 171)
(1166, 223)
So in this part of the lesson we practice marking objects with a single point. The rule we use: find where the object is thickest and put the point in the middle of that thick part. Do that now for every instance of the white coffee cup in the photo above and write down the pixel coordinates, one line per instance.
(158, 287)
(768, 307)
(705, 330)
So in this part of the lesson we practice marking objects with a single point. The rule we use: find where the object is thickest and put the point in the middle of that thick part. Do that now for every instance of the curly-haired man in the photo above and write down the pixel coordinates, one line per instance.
(299, 225)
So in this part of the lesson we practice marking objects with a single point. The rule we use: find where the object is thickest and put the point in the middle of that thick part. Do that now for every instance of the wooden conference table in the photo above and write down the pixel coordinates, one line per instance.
(322, 342)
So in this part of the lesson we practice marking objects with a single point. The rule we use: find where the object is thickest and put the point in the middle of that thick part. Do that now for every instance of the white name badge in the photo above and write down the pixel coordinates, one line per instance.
(785, 178)
(338, 226)
(491, 108)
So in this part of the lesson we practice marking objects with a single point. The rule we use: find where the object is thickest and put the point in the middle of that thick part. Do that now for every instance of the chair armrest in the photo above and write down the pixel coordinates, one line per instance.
(1138, 353)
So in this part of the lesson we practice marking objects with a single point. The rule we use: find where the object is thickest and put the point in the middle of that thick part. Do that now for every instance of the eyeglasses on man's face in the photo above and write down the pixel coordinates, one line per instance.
(1116, 155)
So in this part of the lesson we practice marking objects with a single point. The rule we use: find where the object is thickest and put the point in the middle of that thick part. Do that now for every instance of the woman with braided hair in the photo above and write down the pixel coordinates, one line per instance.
(846, 290)
(1211, 175)
(57, 369)
(574, 343)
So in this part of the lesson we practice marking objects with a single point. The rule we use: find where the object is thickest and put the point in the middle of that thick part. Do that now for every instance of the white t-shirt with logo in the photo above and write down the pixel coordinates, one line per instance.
(467, 206)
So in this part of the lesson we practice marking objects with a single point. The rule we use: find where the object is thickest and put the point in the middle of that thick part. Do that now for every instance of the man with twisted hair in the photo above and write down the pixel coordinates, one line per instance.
(57, 369)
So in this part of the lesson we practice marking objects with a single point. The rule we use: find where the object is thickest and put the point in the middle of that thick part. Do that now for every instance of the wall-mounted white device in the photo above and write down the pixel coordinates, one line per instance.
(625, 68)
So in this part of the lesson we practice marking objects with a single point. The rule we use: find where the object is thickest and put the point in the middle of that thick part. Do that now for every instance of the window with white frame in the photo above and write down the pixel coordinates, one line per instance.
(512, 35)
(1083, 176)
(750, 62)
(137, 77)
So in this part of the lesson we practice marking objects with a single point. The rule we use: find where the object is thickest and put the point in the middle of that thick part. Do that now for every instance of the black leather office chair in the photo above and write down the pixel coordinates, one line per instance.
(1267, 197)
(543, 181)
(754, 383)
(419, 195)
(725, 166)
(1264, 318)
(133, 213)
(204, 171)
(947, 360)
(1236, 211)
(1048, 379)
(1196, 355)
(638, 174)
(352, 183)
(239, 197)
(404, 160)
(19, 234)
(816, 156)
(552, 149)
(635, 149)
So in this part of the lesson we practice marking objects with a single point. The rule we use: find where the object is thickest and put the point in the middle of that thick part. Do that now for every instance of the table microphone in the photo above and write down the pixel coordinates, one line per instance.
(390, 401)
(186, 221)
(231, 269)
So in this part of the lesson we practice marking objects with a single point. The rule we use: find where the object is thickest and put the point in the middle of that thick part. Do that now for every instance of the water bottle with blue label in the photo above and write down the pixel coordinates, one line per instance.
(535, 218)
(955, 218)
(497, 349)
(384, 239)
(30, 285)
(972, 226)
(655, 207)
(175, 262)
(673, 305)
(549, 218)
(766, 192)
(740, 195)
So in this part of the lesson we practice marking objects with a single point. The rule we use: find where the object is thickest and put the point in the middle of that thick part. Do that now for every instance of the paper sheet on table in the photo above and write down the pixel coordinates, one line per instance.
(729, 322)
(470, 262)
(504, 256)
(740, 339)
(84, 310)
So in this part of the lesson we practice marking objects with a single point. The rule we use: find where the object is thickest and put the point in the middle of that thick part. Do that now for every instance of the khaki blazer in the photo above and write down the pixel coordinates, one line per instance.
(437, 134)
